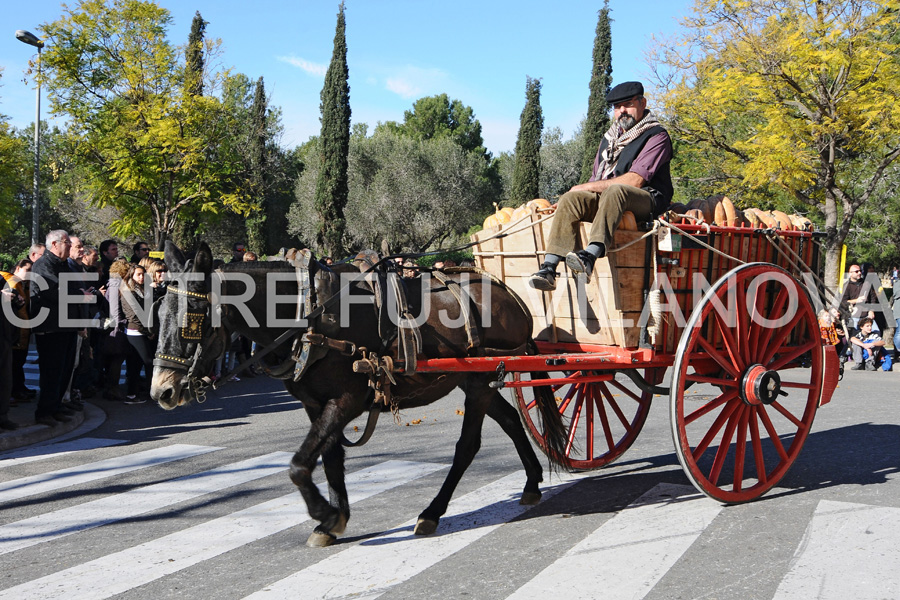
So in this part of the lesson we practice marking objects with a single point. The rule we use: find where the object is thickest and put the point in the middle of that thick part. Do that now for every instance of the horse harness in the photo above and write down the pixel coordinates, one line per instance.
(311, 345)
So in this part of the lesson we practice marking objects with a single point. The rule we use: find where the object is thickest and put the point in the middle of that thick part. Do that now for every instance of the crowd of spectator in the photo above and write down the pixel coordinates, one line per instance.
(85, 320)
(859, 323)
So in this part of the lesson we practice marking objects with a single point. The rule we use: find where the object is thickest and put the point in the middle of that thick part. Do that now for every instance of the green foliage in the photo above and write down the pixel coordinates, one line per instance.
(788, 95)
(331, 186)
(148, 146)
(12, 174)
(456, 256)
(527, 171)
(256, 230)
(597, 121)
(193, 55)
(436, 117)
(412, 195)
(560, 158)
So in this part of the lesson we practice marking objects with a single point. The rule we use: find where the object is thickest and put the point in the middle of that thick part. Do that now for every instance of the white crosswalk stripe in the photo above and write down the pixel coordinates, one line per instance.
(388, 560)
(47, 482)
(35, 453)
(628, 554)
(67, 521)
(841, 539)
(149, 561)
(848, 550)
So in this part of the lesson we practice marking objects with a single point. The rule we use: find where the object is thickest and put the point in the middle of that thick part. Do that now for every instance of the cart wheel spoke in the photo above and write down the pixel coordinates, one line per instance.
(744, 435)
(766, 344)
(604, 418)
(725, 445)
(720, 358)
(726, 397)
(595, 437)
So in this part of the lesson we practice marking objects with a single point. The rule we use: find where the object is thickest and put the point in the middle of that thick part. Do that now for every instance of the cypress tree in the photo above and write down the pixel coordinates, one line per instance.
(194, 56)
(256, 223)
(193, 83)
(527, 169)
(597, 121)
(332, 188)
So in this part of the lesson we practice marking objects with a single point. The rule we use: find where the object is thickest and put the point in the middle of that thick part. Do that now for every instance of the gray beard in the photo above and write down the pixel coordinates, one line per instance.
(626, 122)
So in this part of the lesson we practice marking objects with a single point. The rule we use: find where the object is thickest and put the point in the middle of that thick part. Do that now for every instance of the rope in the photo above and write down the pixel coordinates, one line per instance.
(704, 244)
(652, 231)
(799, 261)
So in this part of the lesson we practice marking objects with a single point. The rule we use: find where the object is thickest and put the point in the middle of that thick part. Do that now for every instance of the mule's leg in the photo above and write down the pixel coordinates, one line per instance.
(506, 416)
(321, 436)
(333, 465)
(466, 448)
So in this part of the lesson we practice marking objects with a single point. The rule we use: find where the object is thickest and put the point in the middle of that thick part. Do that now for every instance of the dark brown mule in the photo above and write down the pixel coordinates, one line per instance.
(332, 394)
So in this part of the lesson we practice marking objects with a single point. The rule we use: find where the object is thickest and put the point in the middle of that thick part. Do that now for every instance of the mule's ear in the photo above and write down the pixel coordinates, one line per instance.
(173, 257)
(203, 259)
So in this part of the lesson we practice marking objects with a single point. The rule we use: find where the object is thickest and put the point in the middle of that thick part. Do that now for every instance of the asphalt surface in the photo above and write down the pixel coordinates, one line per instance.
(595, 532)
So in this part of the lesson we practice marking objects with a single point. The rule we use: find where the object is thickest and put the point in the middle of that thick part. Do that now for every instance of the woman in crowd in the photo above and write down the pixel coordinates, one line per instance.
(137, 333)
(115, 347)
(16, 280)
(156, 273)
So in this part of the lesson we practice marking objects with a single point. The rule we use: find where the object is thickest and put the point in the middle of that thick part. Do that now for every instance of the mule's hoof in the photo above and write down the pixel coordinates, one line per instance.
(341, 526)
(320, 540)
(530, 498)
(425, 527)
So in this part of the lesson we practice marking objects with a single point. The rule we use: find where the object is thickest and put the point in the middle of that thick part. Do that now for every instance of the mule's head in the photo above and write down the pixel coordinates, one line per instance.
(188, 342)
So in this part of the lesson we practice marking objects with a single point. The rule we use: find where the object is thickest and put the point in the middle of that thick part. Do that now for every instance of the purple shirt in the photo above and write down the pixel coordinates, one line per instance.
(656, 152)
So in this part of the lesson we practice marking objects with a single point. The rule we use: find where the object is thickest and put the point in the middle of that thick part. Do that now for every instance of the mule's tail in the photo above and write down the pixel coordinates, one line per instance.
(553, 440)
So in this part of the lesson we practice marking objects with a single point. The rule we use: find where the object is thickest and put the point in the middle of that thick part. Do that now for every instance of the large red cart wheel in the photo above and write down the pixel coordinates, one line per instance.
(746, 337)
(603, 417)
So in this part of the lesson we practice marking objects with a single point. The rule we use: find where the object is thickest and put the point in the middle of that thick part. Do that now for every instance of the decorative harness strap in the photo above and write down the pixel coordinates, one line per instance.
(471, 327)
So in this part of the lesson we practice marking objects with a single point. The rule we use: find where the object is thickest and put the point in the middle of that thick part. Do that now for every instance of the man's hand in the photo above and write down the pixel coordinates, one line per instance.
(629, 178)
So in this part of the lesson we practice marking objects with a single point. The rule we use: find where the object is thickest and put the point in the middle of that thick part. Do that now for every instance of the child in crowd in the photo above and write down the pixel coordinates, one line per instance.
(827, 329)
(866, 347)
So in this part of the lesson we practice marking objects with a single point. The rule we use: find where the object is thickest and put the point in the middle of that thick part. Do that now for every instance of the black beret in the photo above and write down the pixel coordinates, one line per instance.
(625, 91)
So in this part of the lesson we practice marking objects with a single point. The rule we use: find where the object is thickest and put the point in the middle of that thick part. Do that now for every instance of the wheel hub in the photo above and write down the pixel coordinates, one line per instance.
(760, 386)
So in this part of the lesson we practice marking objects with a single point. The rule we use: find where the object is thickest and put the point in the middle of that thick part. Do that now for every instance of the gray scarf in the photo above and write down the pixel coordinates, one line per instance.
(617, 139)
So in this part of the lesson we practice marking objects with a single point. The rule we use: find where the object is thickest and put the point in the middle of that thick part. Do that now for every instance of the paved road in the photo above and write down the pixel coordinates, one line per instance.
(197, 502)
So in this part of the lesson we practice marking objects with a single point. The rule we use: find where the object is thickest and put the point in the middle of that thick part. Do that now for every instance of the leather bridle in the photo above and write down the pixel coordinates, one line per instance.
(195, 327)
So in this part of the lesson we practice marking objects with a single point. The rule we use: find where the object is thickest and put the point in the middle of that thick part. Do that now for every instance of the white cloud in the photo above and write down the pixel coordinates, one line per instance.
(312, 68)
(409, 81)
(402, 88)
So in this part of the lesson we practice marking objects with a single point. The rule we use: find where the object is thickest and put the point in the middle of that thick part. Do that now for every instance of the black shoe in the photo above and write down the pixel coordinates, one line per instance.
(46, 420)
(858, 367)
(7, 424)
(65, 410)
(74, 405)
(544, 280)
(581, 262)
(61, 416)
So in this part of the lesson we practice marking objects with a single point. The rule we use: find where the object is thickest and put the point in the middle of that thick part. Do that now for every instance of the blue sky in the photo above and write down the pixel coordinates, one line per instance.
(398, 50)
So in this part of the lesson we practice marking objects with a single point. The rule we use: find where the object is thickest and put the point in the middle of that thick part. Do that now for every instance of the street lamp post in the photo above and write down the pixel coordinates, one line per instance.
(32, 40)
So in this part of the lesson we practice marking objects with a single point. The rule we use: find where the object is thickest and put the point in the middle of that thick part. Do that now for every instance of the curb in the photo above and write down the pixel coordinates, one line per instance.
(82, 422)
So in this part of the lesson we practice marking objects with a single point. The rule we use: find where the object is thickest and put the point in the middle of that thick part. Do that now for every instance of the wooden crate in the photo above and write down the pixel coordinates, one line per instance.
(604, 310)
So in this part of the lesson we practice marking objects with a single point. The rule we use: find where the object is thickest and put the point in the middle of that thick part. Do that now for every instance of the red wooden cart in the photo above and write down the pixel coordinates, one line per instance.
(731, 307)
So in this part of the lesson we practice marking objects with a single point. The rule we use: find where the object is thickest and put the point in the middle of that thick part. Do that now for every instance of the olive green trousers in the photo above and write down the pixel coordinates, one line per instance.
(604, 212)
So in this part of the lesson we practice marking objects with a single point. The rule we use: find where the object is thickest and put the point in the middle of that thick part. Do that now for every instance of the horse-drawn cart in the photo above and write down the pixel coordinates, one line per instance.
(729, 310)
(730, 307)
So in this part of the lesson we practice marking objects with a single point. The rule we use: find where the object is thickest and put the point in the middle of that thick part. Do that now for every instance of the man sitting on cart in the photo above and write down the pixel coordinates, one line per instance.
(631, 173)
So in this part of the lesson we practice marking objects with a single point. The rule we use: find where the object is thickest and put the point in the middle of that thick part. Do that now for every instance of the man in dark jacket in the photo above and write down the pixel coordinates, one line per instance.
(859, 297)
(631, 173)
(54, 333)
